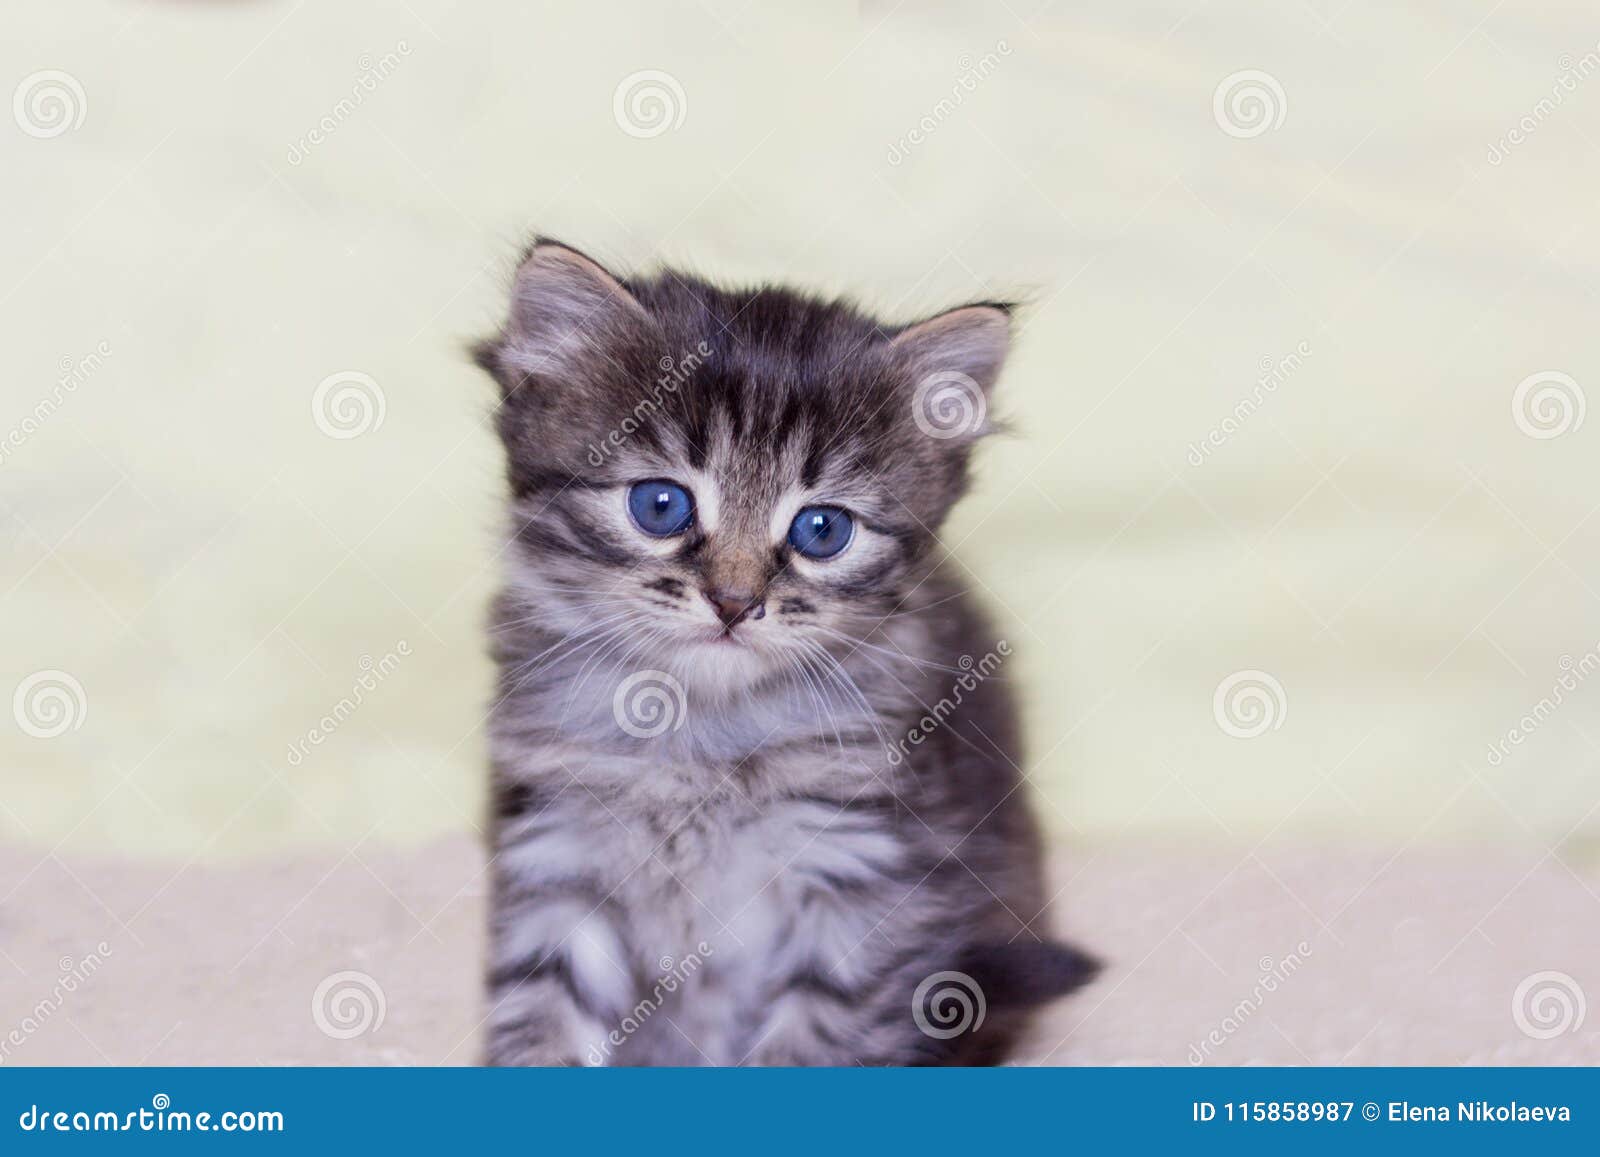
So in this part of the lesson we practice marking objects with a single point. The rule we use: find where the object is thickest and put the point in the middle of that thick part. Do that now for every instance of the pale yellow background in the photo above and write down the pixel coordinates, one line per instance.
(1380, 535)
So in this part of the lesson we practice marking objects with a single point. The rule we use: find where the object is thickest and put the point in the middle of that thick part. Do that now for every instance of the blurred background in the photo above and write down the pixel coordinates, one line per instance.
(1295, 542)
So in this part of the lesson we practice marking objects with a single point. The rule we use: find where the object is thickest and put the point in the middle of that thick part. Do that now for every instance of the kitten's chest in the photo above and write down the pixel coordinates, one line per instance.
(785, 878)
(754, 897)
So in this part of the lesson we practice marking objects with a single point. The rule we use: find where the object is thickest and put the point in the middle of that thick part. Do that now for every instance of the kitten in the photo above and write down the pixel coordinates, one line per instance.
(756, 799)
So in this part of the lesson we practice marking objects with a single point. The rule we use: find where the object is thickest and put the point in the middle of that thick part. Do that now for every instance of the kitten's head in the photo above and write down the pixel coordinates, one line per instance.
(716, 481)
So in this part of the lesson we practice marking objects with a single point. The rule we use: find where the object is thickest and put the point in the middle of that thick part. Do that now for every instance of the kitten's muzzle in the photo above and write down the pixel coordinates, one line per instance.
(733, 607)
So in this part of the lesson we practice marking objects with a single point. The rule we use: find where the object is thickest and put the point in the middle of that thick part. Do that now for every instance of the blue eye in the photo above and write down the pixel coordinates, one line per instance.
(660, 508)
(821, 531)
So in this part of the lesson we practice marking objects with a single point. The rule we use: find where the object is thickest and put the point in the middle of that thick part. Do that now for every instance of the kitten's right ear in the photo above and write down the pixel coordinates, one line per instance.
(954, 359)
(565, 310)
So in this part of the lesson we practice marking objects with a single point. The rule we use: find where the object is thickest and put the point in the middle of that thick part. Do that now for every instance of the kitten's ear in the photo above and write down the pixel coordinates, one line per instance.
(954, 360)
(565, 310)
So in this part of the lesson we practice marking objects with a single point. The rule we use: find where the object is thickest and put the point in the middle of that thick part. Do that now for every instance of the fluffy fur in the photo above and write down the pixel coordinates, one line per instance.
(670, 790)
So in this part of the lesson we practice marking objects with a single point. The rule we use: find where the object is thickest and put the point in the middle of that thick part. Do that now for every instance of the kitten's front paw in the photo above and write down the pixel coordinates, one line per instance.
(537, 1056)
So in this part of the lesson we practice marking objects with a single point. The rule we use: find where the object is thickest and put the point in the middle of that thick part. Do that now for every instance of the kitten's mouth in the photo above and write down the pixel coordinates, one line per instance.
(721, 637)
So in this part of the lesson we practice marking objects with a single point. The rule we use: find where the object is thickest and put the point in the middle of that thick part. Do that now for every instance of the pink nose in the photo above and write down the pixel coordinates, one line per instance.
(735, 606)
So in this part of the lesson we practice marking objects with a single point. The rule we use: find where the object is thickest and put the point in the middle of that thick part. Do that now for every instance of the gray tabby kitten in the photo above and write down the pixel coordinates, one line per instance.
(752, 803)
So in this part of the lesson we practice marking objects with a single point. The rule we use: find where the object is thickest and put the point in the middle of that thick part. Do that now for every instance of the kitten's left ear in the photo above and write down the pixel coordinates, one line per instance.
(567, 311)
(953, 360)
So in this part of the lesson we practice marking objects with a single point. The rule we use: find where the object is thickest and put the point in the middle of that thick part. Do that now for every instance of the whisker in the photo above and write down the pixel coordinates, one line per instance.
(532, 663)
(893, 653)
(819, 709)
(841, 678)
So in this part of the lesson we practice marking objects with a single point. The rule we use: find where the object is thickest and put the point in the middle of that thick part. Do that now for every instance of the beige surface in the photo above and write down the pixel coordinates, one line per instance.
(1379, 536)
(1402, 957)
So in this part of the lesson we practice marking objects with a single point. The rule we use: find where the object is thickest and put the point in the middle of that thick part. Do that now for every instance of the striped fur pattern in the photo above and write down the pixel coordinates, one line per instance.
(712, 844)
